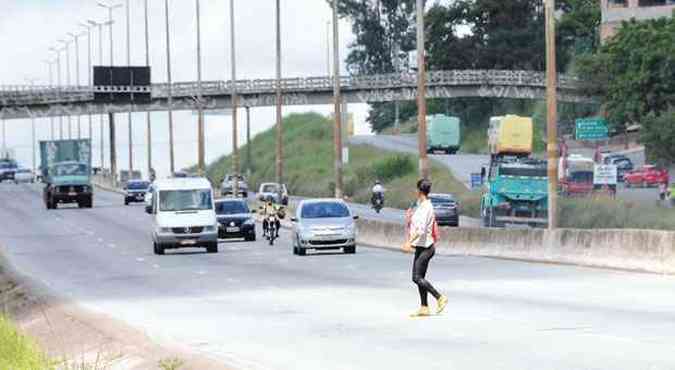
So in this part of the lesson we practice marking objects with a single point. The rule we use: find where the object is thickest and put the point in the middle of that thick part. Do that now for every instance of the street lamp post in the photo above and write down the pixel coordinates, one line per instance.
(131, 136)
(280, 141)
(58, 84)
(66, 46)
(76, 38)
(337, 129)
(169, 87)
(89, 75)
(31, 81)
(235, 150)
(147, 63)
(111, 116)
(200, 111)
(50, 63)
(100, 25)
(421, 95)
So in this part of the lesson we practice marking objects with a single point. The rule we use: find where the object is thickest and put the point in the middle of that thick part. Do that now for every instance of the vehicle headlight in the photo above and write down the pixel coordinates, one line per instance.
(306, 232)
(350, 229)
(209, 229)
(250, 221)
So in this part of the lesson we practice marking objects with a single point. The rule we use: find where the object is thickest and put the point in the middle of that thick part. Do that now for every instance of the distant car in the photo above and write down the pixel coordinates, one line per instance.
(235, 219)
(7, 169)
(646, 175)
(24, 175)
(446, 209)
(135, 190)
(227, 186)
(270, 191)
(323, 224)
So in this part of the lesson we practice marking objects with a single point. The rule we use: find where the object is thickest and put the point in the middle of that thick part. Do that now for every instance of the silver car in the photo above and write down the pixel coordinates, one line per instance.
(323, 224)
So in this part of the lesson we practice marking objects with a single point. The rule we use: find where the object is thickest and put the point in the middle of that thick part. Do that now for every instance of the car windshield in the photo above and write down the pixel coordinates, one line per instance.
(441, 201)
(185, 200)
(138, 185)
(270, 188)
(70, 169)
(523, 171)
(231, 208)
(324, 210)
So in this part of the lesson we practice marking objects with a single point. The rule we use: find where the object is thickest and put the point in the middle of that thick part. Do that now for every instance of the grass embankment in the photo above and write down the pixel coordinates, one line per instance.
(308, 166)
(605, 213)
(19, 352)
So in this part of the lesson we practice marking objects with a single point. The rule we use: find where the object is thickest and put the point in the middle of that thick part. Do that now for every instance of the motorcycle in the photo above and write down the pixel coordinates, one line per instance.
(271, 229)
(377, 202)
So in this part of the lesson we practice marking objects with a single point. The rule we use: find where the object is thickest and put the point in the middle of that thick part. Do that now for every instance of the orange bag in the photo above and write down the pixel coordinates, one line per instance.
(435, 232)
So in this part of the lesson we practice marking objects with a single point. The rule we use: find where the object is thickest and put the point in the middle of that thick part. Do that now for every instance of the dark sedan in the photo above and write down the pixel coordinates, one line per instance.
(134, 191)
(446, 209)
(235, 220)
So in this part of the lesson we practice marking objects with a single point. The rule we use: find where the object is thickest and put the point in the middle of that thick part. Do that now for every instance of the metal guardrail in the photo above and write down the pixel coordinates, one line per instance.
(21, 95)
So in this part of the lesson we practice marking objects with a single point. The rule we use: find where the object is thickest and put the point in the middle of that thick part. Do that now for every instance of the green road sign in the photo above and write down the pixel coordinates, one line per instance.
(591, 129)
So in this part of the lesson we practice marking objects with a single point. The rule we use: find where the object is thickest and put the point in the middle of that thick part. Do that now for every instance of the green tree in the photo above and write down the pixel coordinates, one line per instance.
(634, 73)
(658, 134)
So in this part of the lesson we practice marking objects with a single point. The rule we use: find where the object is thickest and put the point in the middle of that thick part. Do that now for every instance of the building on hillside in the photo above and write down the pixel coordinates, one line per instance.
(616, 11)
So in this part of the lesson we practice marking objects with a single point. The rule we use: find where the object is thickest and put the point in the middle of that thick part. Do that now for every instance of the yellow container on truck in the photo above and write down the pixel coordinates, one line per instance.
(510, 135)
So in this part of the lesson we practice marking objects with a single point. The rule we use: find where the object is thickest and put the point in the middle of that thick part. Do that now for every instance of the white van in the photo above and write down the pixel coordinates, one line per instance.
(184, 215)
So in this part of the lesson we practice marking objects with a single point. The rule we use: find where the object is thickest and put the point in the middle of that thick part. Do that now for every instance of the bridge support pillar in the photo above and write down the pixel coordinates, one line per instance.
(113, 149)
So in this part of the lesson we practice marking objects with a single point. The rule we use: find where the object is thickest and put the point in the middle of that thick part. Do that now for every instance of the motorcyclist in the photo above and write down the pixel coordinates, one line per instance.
(269, 210)
(378, 192)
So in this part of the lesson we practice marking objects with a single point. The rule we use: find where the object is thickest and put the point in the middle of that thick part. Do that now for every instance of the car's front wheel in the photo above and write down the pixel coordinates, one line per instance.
(212, 248)
(350, 250)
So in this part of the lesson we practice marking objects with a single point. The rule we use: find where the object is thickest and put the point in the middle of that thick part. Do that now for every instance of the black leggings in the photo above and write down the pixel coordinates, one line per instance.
(420, 265)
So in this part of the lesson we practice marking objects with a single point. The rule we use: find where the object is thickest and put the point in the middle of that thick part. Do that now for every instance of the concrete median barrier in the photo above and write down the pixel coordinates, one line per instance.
(641, 250)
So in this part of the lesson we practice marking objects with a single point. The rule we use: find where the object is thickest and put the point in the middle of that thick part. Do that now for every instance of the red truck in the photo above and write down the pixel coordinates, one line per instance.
(647, 175)
(575, 174)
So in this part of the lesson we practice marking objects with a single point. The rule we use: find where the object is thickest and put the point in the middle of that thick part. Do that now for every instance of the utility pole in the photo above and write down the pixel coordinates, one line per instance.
(328, 48)
(169, 88)
(76, 38)
(66, 46)
(58, 84)
(147, 64)
(100, 62)
(89, 73)
(421, 94)
(131, 136)
(235, 149)
(50, 63)
(200, 111)
(337, 129)
(552, 113)
(280, 140)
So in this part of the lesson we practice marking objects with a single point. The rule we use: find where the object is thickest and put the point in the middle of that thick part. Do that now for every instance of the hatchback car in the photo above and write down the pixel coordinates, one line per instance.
(23, 175)
(135, 191)
(274, 192)
(647, 175)
(446, 209)
(235, 220)
(323, 224)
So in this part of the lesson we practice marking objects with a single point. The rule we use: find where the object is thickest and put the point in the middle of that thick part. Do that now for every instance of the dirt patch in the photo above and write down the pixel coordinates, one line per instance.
(86, 340)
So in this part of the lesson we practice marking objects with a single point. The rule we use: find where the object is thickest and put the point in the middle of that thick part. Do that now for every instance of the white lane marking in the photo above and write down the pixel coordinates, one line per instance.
(140, 259)
(100, 240)
(155, 266)
(201, 272)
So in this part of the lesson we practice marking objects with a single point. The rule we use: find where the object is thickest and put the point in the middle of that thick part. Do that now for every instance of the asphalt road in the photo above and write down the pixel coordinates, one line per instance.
(253, 306)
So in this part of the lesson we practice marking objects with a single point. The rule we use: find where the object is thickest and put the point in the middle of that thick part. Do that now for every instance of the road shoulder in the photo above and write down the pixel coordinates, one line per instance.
(83, 338)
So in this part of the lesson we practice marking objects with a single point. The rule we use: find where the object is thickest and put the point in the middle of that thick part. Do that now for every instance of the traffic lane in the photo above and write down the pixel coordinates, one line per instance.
(342, 311)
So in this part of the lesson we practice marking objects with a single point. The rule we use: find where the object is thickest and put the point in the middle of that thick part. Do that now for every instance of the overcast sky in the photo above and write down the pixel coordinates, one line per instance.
(28, 28)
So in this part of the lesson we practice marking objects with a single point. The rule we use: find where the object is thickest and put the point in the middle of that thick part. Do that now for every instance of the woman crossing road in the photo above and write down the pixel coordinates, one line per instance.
(421, 239)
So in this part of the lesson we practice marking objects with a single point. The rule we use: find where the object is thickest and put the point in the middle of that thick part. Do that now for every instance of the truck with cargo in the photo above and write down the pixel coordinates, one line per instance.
(575, 174)
(443, 134)
(66, 172)
(516, 190)
(510, 135)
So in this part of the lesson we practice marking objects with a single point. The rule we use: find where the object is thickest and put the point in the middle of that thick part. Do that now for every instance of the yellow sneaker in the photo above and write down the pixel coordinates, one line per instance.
(442, 302)
(422, 312)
